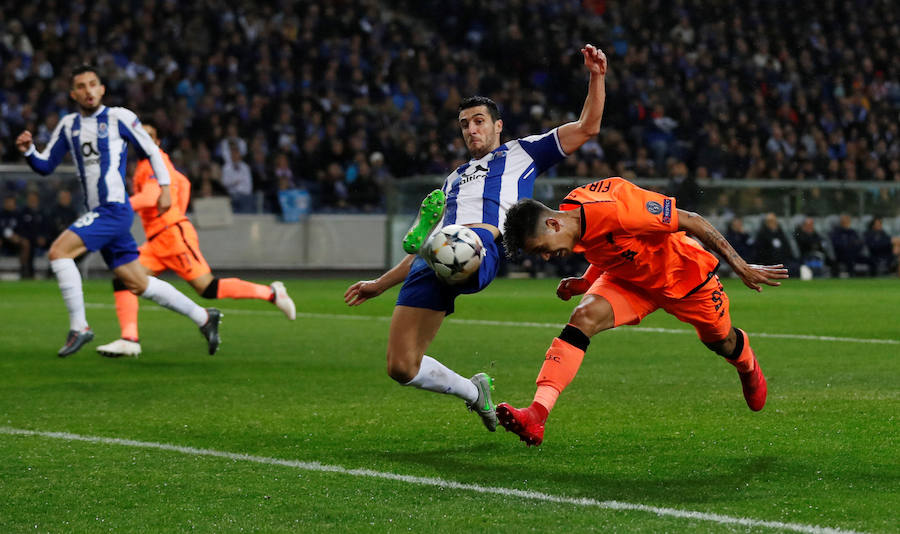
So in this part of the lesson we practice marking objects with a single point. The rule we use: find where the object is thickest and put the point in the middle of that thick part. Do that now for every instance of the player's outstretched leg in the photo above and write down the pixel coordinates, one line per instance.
(210, 329)
(430, 214)
(483, 405)
(753, 382)
(75, 340)
(235, 288)
(527, 423)
(282, 301)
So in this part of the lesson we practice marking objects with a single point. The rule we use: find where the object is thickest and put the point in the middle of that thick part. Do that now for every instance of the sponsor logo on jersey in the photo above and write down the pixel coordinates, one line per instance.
(474, 172)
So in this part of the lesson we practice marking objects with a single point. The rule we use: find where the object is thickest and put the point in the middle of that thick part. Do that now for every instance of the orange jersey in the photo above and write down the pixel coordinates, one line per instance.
(146, 193)
(632, 234)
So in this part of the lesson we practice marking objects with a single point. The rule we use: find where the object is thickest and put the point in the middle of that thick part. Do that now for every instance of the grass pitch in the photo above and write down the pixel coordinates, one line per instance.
(652, 419)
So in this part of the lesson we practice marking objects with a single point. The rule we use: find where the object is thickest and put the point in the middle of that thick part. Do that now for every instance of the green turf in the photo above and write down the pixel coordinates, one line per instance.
(652, 418)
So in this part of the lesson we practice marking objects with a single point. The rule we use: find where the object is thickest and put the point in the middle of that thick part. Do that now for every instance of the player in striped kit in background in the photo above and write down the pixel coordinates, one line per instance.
(477, 194)
(98, 137)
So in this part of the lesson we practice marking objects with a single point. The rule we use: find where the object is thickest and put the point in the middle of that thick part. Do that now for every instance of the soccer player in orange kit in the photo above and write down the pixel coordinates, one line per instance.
(172, 243)
(640, 260)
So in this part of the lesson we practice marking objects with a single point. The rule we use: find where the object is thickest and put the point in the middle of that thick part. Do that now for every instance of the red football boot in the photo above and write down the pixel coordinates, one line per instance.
(754, 386)
(524, 423)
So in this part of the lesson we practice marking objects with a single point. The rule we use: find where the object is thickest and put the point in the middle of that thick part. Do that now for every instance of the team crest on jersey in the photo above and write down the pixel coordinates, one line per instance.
(499, 154)
(102, 130)
(654, 207)
(75, 133)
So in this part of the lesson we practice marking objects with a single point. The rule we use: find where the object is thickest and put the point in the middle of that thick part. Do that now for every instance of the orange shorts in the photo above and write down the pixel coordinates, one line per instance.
(177, 249)
(706, 309)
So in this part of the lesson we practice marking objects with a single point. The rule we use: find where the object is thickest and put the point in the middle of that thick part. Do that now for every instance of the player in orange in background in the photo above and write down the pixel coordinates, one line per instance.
(640, 260)
(172, 244)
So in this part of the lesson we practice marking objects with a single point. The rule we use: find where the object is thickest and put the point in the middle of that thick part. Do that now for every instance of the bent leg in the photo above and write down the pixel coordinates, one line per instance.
(135, 278)
(412, 330)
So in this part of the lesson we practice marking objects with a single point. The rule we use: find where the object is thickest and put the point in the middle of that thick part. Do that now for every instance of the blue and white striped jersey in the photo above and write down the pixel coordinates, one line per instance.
(483, 190)
(98, 146)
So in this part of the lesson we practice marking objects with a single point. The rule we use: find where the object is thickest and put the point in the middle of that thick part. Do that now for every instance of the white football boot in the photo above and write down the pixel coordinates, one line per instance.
(283, 301)
(120, 347)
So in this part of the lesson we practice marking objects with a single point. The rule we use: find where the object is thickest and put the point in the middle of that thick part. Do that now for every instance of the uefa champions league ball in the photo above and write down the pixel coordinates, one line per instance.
(454, 252)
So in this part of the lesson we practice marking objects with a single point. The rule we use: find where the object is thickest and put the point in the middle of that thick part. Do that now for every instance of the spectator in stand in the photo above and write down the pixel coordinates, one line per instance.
(683, 187)
(739, 238)
(12, 242)
(772, 243)
(238, 182)
(60, 216)
(34, 226)
(849, 247)
(812, 247)
(881, 253)
(364, 193)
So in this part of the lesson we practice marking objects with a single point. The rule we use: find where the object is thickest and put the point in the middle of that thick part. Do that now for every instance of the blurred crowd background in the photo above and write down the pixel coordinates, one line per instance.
(338, 97)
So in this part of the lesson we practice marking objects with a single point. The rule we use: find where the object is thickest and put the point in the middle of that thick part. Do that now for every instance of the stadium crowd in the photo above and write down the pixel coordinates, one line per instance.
(335, 97)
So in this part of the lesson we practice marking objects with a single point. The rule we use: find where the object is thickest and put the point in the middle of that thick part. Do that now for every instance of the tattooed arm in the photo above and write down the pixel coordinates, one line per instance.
(752, 275)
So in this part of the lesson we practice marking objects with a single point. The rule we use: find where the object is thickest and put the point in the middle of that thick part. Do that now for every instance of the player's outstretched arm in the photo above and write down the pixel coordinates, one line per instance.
(574, 134)
(368, 289)
(753, 276)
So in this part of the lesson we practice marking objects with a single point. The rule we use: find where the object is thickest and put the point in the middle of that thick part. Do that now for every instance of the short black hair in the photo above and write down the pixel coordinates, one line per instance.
(521, 224)
(474, 101)
(151, 122)
(81, 69)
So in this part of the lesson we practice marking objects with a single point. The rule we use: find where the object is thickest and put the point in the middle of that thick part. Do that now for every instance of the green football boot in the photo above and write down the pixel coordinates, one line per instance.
(483, 405)
(429, 216)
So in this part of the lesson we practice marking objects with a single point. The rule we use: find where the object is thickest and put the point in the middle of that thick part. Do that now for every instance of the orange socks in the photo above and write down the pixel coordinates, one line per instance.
(127, 312)
(742, 358)
(235, 288)
(561, 364)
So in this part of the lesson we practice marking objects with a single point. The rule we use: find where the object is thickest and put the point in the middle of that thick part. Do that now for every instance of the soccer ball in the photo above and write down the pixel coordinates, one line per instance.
(454, 252)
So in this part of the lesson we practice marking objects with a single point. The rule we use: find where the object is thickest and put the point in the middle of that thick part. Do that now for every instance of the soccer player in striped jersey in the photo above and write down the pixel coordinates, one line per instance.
(477, 195)
(98, 137)
(641, 260)
(172, 244)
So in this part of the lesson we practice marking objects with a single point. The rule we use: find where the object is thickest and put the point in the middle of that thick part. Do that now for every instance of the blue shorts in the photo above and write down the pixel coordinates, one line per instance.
(423, 289)
(107, 228)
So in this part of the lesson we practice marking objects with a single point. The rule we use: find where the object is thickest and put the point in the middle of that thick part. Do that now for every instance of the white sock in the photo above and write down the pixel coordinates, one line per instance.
(435, 376)
(165, 294)
(69, 280)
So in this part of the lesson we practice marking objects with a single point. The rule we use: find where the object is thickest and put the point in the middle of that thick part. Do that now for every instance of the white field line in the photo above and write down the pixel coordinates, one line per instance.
(480, 322)
(436, 482)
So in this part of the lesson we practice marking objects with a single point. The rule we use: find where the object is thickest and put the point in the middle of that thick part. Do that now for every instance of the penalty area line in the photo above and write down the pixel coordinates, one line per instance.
(435, 482)
(525, 324)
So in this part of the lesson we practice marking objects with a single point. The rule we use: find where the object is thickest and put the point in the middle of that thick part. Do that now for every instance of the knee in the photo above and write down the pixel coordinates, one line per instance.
(55, 252)
(400, 368)
(134, 284)
(591, 318)
(724, 347)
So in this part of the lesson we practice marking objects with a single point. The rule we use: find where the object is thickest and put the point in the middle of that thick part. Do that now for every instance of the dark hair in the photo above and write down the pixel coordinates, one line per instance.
(81, 69)
(151, 122)
(521, 224)
(474, 101)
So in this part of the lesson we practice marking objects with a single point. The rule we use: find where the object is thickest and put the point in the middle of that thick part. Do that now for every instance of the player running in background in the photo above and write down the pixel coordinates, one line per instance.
(98, 137)
(477, 195)
(172, 244)
(640, 260)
